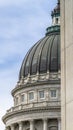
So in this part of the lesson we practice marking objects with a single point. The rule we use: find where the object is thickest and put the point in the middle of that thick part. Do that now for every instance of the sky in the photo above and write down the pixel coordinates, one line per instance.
(22, 24)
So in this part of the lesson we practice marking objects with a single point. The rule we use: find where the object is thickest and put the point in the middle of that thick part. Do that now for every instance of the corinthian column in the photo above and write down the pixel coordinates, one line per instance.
(12, 127)
(31, 124)
(59, 124)
(20, 126)
(44, 124)
(7, 128)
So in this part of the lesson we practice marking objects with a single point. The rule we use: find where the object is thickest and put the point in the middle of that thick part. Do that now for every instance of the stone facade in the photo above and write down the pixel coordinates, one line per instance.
(67, 63)
(42, 112)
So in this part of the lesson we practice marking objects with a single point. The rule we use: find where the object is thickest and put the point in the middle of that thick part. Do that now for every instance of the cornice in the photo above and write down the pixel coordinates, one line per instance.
(31, 110)
(37, 83)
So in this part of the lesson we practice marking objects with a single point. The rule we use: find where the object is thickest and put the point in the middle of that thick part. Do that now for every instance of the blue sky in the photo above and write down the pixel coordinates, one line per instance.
(22, 23)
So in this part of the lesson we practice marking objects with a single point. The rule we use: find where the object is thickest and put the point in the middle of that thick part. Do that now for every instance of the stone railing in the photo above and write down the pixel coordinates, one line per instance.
(35, 105)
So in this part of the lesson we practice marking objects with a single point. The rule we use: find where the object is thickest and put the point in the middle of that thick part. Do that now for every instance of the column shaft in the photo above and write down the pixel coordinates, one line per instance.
(45, 124)
(12, 127)
(20, 126)
(6, 128)
(59, 124)
(31, 125)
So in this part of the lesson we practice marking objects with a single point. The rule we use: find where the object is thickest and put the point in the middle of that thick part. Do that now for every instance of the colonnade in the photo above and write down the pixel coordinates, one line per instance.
(45, 125)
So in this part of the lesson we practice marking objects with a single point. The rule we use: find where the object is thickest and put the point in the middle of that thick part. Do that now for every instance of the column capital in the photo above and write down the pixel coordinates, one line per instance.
(12, 126)
(45, 119)
(31, 120)
(7, 128)
(59, 119)
(20, 125)
(20, 122)
(31, 124)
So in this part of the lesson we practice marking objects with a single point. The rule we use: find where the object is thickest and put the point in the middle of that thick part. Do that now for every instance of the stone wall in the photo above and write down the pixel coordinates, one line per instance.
(67, 63)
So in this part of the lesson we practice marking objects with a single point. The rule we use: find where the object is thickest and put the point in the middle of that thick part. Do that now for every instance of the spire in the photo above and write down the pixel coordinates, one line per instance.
(56, 10)
(55, 20)
(56, 14)
(58, 1)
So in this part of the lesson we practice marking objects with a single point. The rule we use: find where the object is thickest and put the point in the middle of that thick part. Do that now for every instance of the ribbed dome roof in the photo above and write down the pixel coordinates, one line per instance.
(44, 56)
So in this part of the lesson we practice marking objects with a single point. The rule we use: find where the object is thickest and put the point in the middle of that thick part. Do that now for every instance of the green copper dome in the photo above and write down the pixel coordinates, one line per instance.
(44, 56)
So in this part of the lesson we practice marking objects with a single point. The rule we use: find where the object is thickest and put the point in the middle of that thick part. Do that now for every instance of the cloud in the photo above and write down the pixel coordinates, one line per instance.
(14, 34)
(12, 2)
(7, 83)
(25, 2)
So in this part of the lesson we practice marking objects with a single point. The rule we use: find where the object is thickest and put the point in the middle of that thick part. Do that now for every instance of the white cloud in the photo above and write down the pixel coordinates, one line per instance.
(7, 83)
(10, 2)
(18, 2)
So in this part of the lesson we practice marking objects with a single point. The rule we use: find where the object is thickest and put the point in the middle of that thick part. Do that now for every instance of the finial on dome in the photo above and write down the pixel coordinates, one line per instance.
(58, 1)
(56, 10)
(55, 19)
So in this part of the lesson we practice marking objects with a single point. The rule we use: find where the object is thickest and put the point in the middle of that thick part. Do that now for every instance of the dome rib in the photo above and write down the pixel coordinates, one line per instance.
(42, 66)
(32, 61)
(27, 70)
(48, 51)
(39, 55)
(35, 57)
(59, 54)
(54, 56)
(23, 65)
(22, 69)
(51, 56)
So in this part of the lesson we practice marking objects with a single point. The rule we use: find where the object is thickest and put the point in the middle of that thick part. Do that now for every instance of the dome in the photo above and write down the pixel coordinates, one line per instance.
(44, 56)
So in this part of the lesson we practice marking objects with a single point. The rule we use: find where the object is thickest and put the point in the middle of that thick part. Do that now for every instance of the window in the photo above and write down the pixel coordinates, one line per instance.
(41, 94)
(53, 93)
(31, 96)
(56, 20)
(16, 100)
(22, 98)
